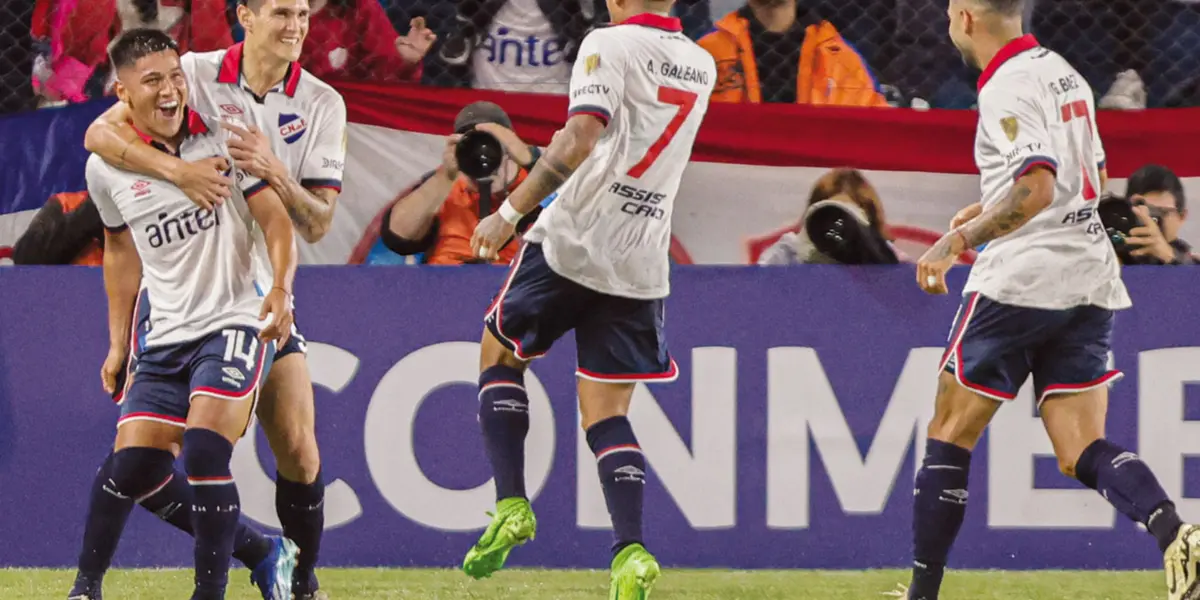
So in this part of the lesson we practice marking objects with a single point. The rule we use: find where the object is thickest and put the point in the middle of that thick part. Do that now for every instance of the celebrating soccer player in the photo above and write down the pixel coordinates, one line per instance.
(206, 342)
(594, 262)
(290, 132)
(1039, 300)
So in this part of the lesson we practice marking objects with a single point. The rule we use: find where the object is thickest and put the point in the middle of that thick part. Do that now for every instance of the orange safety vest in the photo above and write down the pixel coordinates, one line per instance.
(456, 224)
(831, 72)
(92, 255)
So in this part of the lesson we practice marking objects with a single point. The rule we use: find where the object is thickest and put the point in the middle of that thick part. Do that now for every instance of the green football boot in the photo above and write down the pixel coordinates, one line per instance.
(634, 571)
(512, 524)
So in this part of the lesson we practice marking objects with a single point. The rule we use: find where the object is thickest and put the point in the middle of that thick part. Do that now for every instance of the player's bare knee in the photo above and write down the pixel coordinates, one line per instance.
(960, 416)
(602, 400)
(300, 462)
(492, 353)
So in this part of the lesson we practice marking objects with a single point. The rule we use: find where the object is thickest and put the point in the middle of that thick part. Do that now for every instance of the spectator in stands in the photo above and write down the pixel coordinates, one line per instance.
(780, 51)
(859, 199)
(76, 34)
(353, 39)
(518, 45)
(439, 216)
(66, 230)
(1158, 198)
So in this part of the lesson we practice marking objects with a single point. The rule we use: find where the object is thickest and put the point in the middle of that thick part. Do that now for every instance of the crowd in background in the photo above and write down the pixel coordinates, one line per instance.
(1136, 53)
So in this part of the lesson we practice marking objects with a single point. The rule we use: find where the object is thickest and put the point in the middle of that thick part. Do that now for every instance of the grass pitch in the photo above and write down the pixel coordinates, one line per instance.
(426, 584)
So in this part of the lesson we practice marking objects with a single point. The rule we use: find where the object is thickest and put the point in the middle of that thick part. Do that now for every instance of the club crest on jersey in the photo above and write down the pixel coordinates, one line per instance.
(591, 63)
(1010, 127)
(292, 127)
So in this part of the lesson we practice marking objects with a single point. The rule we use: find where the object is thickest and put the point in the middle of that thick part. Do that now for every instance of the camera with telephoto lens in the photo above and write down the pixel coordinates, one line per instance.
(841, 230)
(479, 154)
(1117, 216)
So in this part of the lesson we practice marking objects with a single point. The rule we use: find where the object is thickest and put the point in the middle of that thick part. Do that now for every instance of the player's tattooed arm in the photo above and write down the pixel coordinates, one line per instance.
(112, 138)
(1030, 195)
(310, 210)
(122, 280)
(570, 147)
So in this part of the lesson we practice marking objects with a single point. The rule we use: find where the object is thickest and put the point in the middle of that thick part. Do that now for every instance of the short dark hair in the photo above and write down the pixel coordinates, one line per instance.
(253, 5)
(136, 43)
(1156, 178)
(1009, 8)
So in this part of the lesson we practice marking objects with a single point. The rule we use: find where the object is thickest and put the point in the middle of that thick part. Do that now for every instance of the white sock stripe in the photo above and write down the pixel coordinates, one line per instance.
(500, 384)
(617, 449)
(157, 489)
(211, 480)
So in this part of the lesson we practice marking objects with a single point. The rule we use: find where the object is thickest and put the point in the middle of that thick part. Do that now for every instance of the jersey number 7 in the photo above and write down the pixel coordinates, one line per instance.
(1079, 110)
(685, 101)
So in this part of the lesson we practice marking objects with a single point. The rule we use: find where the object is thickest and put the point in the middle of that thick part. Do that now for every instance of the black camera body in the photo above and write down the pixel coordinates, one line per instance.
(479, 155)
(1117, 216)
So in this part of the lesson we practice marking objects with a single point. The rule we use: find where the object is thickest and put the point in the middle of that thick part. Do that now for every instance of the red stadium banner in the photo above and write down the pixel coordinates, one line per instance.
(752, 167)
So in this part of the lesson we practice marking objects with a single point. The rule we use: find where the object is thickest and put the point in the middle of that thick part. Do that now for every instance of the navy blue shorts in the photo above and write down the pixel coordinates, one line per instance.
(617, 339)
(995, 347)
(228, 364)
(295, 344)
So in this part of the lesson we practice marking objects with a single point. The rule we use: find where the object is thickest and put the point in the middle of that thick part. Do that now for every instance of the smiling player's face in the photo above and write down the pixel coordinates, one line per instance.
(278, 27)
(156, 91)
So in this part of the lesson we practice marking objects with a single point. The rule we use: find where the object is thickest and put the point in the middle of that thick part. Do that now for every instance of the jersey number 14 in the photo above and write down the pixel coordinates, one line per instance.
(685, 101)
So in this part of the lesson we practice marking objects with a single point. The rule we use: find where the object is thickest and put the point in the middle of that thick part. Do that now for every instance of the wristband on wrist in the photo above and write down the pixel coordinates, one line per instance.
(510, 214)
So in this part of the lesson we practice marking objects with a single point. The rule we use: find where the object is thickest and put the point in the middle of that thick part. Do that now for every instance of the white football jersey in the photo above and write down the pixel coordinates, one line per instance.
(1035, 109)
(197, 264)
(610, 227)
(303, 116)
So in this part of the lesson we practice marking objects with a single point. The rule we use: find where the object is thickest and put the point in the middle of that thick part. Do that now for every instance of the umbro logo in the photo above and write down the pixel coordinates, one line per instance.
(233, 373)
(510, 405)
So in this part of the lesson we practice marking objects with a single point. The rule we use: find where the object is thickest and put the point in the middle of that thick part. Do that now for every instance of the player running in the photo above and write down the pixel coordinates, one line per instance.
(205, 345)
(594, 262)
(290, 132)
(1039, 300)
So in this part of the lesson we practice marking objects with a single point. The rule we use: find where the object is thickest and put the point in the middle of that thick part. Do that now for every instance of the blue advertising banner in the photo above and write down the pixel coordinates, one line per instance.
(788, 440)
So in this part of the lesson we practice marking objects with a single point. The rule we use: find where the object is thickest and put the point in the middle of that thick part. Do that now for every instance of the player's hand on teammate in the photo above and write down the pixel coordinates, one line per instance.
(517, 149)
(1149, 238)
(937, 260)
(111, 369)
(251, 151)
(204, 182)
(966, 214)
(490, 236)
(277, 305)
(414, 45)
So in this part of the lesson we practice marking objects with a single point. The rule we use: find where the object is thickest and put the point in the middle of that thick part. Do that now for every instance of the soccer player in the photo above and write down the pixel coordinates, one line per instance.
(594, 262)
(1039, 301)
(289, 131)
(206, 344)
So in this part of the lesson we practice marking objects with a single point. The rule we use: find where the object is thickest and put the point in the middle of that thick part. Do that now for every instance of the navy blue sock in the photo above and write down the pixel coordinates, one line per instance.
(622, 470)
(1129, 485)
(301, 510)
(125, 476)
(939, 505)
(173, 504)
(215, 509)
(504, 418)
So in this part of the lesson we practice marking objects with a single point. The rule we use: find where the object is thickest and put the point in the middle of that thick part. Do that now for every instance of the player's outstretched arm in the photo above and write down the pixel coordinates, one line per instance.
(268, 212)
(122, 280)
(1030, 195)
(112, 138)
(570, 147)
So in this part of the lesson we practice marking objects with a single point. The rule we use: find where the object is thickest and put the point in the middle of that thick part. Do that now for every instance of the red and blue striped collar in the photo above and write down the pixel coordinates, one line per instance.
(193, 124)
(655, 21)
(230, 71)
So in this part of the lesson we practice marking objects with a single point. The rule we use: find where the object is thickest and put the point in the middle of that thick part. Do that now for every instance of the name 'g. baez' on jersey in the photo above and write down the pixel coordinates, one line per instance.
(304, 117)
(1036, 110)
(197, 264)
(610, 227)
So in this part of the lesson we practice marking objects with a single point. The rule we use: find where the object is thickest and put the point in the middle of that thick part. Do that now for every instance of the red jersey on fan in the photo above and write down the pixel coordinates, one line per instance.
(355, 41)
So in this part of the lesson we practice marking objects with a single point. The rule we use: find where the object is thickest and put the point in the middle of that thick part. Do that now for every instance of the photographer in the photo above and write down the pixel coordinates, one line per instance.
(1158, 201)
(843, 224)
(484, 158)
